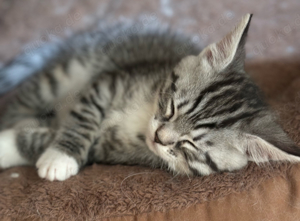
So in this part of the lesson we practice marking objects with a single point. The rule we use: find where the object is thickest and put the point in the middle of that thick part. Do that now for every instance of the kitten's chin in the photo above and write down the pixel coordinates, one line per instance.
(153, 124)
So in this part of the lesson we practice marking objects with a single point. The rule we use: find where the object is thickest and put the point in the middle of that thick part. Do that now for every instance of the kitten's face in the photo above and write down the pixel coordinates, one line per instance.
(184, 136)
(209, 115)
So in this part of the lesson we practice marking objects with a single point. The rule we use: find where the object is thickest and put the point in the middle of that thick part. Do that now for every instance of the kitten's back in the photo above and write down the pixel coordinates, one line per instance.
(107, 48)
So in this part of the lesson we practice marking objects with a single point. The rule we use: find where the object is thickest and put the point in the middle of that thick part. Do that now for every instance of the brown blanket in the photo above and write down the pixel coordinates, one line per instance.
(269, 192)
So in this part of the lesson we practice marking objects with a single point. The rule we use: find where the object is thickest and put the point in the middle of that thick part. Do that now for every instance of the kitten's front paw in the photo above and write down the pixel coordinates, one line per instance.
(56, 165)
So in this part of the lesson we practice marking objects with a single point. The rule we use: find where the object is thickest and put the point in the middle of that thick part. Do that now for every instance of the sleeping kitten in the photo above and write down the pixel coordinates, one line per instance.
(129, 97)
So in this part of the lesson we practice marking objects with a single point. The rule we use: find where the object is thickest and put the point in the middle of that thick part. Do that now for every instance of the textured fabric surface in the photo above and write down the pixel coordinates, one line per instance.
(139, 193)
(110, 191)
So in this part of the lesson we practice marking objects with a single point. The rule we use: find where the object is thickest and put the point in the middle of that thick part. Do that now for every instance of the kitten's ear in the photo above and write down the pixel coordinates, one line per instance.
(230, 50)
(275, 146)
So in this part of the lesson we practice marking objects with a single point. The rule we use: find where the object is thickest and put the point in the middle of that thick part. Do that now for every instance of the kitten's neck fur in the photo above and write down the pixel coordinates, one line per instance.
(138, 99)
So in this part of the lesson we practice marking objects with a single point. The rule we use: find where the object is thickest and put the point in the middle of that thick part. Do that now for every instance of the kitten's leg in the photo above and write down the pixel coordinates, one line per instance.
(69, 152)
(22, 146)
(39, 95)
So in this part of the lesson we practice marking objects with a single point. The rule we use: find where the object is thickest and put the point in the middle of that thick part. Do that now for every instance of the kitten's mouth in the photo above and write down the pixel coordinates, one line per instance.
(151, 144)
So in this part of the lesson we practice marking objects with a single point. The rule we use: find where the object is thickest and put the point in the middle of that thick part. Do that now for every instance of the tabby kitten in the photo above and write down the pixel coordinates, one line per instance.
(125, 95)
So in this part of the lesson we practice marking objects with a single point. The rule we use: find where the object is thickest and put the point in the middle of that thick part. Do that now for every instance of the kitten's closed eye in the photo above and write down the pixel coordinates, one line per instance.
(170, 111)
(187, 144)
(166, 109)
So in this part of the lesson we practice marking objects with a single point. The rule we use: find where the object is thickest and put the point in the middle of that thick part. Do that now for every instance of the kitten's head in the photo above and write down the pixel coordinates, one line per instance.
(210, 116)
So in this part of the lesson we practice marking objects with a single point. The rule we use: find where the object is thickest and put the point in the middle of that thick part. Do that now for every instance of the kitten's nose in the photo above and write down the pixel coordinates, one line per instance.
(165, 136)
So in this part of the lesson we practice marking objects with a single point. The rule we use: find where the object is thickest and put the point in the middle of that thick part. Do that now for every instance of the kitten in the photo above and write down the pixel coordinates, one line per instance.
(119, 96)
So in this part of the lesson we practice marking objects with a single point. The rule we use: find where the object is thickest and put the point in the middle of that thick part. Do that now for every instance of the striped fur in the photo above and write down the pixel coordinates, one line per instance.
(128, 95)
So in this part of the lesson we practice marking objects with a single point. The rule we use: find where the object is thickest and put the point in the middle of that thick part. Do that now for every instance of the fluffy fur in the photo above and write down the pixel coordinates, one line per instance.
(128, 95)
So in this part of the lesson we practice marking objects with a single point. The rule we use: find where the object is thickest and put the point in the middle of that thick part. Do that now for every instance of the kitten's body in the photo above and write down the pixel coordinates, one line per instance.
(127, 72)
(131, 95)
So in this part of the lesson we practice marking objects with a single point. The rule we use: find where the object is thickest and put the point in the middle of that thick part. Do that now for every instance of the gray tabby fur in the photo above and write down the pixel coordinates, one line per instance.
(134, 94)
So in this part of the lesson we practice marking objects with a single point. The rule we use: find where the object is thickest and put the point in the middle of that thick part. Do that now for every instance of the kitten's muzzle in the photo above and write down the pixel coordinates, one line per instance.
(163, 136)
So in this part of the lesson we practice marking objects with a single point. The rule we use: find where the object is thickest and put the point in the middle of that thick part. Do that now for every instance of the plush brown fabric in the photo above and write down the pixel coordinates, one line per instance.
(111, 191)
(138, 193)
(101, 191)
(274, 199)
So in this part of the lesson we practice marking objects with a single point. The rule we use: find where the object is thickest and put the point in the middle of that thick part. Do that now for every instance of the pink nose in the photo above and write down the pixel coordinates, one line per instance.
(165, 136)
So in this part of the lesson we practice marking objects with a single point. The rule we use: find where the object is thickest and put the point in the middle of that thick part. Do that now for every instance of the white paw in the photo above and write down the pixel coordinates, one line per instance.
(9, 154)
(56, 165)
